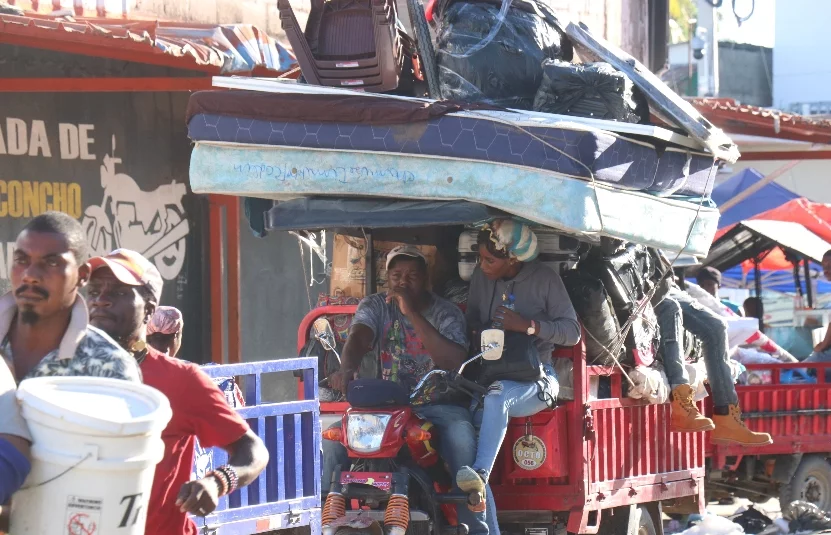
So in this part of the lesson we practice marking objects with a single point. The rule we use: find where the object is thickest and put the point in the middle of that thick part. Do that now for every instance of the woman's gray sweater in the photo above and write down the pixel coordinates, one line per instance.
(539, 295)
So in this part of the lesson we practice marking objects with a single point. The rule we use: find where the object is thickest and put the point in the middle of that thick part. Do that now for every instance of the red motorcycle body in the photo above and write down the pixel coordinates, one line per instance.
(402, 429)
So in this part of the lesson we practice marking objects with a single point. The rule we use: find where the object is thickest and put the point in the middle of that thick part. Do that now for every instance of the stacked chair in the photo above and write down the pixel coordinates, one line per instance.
(351, 44)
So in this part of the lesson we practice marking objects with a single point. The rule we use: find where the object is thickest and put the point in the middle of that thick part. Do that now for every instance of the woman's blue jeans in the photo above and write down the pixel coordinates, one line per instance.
(506, 400)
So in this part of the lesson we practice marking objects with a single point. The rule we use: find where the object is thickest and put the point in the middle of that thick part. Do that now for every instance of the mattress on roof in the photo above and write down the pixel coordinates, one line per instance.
(442, 130)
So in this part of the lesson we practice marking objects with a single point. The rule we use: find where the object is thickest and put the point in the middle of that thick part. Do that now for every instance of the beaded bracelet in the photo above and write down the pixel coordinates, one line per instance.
(222, 480)
(231, 475)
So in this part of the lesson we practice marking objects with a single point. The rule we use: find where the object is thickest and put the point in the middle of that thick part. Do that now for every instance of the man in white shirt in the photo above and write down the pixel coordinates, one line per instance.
(44, 330)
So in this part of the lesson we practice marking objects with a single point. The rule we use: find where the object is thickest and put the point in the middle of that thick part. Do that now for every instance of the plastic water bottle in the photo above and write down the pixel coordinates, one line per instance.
(509, 304)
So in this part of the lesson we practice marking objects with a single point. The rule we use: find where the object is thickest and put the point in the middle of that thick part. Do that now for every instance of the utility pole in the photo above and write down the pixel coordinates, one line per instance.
(708, 84)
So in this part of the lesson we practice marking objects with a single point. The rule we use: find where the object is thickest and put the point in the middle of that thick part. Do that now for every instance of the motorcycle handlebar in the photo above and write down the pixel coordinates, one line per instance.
(456, 379)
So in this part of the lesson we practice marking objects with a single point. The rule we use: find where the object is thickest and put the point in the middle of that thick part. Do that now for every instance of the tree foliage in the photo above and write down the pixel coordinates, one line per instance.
(681, 11)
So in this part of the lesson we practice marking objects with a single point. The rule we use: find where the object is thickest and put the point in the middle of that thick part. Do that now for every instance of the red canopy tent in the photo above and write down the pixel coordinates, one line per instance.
(814, 216)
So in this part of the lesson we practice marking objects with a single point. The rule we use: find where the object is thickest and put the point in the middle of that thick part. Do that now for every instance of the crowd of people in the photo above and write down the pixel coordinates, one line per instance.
(119, 331)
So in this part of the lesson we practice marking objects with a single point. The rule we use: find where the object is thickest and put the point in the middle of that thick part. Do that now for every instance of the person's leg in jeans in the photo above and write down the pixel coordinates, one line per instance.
(712, 331)
(457, 447)
(820, 357)
(685, 416)
(334, 453)
(505, 400)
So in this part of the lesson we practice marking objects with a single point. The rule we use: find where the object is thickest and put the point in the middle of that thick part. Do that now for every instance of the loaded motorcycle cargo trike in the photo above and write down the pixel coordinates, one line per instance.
(399, 169)
(384, 169)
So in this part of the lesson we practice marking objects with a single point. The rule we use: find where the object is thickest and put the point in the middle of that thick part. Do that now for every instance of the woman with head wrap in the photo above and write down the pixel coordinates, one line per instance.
(164, 332)
(508, 274)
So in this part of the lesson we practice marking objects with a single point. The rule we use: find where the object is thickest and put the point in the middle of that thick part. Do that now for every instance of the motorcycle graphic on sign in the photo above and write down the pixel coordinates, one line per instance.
(152, 223)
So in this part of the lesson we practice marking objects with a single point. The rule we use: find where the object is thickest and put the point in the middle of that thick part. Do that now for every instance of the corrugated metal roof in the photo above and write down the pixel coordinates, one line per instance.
(219, 49)
(738, 118)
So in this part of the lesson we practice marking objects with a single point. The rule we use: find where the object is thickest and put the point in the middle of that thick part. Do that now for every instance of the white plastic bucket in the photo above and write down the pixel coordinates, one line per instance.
(96, 445)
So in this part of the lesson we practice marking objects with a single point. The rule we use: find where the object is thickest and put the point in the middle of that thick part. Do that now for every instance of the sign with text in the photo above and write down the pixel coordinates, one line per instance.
(118, 163)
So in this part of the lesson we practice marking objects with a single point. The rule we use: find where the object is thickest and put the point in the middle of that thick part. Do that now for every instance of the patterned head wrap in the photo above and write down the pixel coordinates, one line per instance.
(515, 239)
(166, 320)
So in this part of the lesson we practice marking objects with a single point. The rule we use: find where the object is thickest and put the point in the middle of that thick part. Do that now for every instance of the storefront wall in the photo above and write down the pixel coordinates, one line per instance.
(118, 162)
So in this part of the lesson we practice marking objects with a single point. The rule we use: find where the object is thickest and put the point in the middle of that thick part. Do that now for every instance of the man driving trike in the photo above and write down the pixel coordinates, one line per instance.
(411, 331)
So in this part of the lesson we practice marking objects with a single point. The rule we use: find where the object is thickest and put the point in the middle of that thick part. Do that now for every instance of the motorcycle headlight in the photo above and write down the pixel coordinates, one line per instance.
(365, 432)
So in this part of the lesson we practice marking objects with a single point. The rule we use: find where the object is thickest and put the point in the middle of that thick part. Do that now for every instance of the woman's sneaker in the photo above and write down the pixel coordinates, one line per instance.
(473, 483)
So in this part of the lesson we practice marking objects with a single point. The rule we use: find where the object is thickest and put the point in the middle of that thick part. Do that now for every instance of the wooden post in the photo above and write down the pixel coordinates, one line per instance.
(757, 275)
(634, 29)
(369, 260)
(216, 269)
(809, 290)
(232, 232)
(224, 270)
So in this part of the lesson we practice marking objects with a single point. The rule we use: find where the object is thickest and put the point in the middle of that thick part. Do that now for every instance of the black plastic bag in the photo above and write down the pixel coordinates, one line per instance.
(626, 274)
(752, 521)
(8, 9)
(595, 90)
(594, 308)
(456, 291)
(502, 69)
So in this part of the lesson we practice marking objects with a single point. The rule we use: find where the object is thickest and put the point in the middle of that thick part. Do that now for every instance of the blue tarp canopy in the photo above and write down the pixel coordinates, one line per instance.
(768, 197)
(777, 281)
(327, 213)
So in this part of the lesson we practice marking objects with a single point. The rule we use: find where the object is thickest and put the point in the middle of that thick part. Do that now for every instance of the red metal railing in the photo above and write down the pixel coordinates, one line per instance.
(797, 415)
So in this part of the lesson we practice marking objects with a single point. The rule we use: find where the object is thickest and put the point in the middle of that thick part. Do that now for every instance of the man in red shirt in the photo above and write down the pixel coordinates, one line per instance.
(123, 293)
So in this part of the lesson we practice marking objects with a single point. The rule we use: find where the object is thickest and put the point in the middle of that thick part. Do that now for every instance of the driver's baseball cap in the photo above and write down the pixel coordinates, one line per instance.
(405, 250)
(132, 269)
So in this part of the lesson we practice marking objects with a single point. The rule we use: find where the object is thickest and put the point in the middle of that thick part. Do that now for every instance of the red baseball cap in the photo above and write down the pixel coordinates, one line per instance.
(132, 269)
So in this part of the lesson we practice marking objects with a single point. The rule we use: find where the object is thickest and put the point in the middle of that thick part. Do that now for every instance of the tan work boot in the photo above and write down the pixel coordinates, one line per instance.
(731, 430)
(685, 416)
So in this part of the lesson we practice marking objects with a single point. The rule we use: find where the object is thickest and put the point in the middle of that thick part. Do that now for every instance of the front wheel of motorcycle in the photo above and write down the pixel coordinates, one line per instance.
(424, 43)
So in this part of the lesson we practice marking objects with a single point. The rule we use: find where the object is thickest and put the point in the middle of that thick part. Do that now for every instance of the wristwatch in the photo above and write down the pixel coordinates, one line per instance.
(532, 330)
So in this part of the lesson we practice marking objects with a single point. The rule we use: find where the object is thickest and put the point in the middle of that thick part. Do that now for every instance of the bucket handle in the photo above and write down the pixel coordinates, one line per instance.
(91, 454)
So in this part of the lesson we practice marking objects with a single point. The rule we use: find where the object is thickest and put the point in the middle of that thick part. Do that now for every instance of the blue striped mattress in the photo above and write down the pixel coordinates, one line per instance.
(564, 148)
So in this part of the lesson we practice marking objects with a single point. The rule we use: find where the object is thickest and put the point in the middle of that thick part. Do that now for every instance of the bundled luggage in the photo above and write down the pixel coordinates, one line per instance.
(493, 53)
(594, 308)
(626, 274)
(595, 90)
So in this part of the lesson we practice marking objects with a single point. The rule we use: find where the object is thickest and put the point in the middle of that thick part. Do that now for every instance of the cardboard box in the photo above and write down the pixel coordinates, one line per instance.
(349, 265)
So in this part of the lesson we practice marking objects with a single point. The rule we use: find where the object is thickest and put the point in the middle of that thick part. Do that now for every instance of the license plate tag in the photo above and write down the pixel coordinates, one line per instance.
(379, 480)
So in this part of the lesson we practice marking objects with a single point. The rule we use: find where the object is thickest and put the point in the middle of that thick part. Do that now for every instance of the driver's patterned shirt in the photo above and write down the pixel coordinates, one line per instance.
(401, 353)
